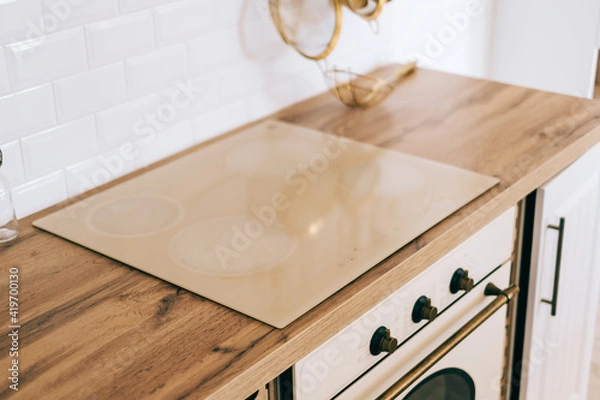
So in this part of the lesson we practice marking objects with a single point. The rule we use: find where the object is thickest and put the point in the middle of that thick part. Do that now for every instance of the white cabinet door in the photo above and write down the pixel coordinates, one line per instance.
(564, 281)
(545, 44)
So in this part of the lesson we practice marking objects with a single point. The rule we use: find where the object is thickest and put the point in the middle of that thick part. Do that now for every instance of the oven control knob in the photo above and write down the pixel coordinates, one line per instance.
(382, 341)
(461, 281)
(423, 310)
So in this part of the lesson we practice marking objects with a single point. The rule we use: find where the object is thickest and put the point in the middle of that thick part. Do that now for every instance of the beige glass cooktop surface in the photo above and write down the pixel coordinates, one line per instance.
(270, 221)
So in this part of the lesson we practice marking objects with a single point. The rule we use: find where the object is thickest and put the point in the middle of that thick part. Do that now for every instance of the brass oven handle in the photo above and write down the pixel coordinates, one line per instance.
(503, 297)
(561, 236)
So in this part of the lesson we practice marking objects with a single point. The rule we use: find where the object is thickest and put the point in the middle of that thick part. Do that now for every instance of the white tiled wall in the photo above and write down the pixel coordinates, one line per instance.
(91, 90)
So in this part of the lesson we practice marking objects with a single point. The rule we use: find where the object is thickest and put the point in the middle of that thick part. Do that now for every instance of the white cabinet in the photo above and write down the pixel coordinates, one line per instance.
(545, 44)
(564, 284)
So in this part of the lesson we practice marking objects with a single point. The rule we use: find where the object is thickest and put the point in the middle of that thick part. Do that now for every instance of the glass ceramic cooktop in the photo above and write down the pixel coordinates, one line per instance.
(270, 221)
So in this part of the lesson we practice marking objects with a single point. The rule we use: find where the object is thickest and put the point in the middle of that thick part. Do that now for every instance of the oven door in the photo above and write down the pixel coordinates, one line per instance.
(472, 370)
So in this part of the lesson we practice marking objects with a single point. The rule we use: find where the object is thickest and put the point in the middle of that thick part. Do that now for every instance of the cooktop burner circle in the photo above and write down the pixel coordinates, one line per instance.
(232, 246)
(135, 216)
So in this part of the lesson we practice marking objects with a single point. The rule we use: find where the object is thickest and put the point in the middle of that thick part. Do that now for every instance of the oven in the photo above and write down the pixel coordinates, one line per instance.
(433, 365)
(443, 336)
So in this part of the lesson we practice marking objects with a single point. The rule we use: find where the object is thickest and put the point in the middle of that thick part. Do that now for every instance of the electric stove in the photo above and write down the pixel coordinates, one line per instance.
(270, 221)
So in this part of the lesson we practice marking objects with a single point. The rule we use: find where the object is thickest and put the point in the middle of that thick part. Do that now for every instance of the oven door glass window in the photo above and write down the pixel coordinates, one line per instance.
(447, 384)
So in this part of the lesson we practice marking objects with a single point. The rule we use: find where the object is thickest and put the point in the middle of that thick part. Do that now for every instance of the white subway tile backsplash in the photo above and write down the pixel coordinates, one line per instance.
(154, 76)
(289, 63)
(56, 148)
(120, 38)
(216, 48)
(188, 99)
(251, 41)
(260, 40)
(220, 120)
(136, 5)
(157, 70)
(38, 194)
(12, 163)
(90, 91)
(231, 12)
(48, 57)
(26, 112)
(61, 14)
(20, 20)
(262, 103)
(183, 19)
(99, 170)
(4, 86)
(164, 143)
(121, 124)
(287, 66)
(241, 79)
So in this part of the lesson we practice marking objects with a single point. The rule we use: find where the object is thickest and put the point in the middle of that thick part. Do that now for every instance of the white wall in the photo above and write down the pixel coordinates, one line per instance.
(99, 89)
(446, 35)
(542, 44)
(103, 87)
(546, 44)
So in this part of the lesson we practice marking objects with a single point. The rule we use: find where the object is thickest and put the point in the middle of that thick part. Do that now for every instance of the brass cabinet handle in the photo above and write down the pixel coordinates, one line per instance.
(502, 298)
(561, 236)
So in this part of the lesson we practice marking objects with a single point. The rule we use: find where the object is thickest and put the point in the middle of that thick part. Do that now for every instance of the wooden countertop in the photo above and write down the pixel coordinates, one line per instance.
(94, 328)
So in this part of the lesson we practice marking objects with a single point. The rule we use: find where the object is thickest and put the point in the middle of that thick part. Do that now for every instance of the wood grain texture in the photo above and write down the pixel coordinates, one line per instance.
(94, 328)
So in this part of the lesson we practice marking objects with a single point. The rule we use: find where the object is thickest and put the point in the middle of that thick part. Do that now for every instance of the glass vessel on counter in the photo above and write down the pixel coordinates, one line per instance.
(9, 228)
